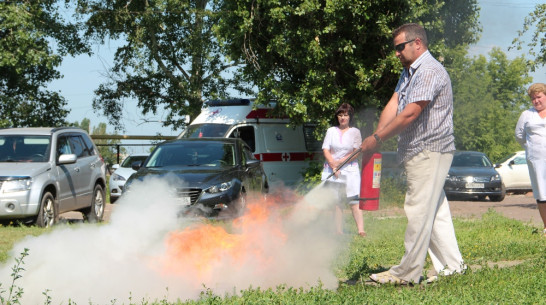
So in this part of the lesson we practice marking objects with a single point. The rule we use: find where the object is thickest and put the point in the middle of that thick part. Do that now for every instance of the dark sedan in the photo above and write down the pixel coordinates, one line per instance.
(472, 175)
(218, 174)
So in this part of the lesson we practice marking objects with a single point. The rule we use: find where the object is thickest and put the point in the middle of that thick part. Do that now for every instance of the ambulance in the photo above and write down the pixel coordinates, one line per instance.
(285, 151)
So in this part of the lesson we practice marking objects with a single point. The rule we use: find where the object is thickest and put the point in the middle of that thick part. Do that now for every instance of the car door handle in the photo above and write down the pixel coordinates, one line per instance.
(77, 169)
(93, 165)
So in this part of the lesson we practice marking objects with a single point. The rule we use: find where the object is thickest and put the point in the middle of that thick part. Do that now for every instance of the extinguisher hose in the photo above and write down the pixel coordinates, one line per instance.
(344, 162)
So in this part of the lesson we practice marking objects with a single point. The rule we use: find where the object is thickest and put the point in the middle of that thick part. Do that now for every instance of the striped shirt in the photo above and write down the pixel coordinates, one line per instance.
(426, 80)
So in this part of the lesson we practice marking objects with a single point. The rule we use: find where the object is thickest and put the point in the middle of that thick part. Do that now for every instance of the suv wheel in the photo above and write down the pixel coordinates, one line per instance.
(47, 215)
(95, 212)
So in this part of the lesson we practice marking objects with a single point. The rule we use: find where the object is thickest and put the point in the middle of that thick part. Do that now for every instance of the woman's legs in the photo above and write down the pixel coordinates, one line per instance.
(338, 217)
(357, 215)
(541, 204)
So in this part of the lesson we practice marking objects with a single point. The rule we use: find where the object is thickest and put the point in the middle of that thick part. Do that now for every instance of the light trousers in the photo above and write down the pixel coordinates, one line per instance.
(430, 227)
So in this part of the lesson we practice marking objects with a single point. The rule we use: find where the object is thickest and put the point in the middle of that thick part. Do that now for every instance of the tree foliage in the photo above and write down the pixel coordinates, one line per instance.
(33, 39)
(312, 55)
(489, 95)
(537, 44)
(170, 57)
(308, 55)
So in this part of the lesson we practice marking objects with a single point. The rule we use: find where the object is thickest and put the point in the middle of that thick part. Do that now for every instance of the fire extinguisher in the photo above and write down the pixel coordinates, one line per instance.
(370, 182)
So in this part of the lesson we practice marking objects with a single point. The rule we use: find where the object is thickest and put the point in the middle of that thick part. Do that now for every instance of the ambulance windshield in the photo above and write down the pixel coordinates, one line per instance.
(205, 131)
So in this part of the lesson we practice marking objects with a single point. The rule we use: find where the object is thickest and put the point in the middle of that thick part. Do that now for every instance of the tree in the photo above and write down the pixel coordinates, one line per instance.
(312, 55)
(170, 58)
(489, 96)
(538, 38)
(33, 39)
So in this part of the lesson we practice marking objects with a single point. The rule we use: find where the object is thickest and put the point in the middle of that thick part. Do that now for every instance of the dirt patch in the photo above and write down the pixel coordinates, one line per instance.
(521, 207)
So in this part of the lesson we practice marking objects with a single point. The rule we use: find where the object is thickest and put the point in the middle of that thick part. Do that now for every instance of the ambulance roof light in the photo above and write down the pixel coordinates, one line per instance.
(230, 102)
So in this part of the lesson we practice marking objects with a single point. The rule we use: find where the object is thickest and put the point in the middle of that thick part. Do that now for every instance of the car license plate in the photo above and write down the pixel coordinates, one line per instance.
(184, 200)
(472, 185)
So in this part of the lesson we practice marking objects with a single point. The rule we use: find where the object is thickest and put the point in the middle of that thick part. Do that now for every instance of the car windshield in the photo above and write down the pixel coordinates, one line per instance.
(205, 131)
(24, 148)
(211, 154)
(470, 160)
(506, 158)
(132, 159)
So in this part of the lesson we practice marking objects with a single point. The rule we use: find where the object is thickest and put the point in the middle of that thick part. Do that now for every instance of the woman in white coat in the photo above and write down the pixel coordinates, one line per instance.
(339, 143)
(531, 134)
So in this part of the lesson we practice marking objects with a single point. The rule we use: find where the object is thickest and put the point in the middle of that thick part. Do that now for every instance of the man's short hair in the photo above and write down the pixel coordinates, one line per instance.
(412, 31)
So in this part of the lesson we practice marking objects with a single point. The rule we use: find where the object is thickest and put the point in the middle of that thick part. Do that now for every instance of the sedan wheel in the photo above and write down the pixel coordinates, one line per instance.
(497, 198)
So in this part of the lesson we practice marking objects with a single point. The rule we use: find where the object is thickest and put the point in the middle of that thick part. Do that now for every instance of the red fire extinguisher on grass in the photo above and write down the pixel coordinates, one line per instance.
(370, 182)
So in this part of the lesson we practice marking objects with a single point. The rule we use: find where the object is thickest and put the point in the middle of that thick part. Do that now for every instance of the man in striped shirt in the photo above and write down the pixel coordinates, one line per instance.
(421, 112)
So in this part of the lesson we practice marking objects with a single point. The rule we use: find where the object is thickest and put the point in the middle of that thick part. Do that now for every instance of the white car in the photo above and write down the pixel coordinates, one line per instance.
(122, 173)
(514, 172)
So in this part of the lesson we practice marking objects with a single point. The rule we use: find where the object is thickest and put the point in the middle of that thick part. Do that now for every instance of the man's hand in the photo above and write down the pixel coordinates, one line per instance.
(369, 144)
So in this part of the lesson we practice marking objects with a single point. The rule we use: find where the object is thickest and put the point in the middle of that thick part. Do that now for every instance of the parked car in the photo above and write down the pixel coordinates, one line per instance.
(122, 172)
(48, 171)
(472, 175)
(514, 172)
(217, 173)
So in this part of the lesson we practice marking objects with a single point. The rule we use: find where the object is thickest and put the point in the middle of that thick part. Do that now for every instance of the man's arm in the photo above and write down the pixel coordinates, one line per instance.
(395, 126)
(389, 113)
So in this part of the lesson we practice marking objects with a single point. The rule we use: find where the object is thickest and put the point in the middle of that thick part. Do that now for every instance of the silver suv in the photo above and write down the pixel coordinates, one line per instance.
(48, 171)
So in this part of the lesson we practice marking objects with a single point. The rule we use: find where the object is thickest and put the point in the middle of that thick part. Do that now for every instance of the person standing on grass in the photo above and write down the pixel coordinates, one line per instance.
(421, 112)
(339, 143)
(531, 134)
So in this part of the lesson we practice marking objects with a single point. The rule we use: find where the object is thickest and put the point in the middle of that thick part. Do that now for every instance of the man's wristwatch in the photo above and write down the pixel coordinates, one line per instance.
(377, 138)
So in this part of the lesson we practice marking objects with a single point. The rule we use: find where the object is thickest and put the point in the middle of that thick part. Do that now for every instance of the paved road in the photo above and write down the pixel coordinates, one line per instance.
(522, 207)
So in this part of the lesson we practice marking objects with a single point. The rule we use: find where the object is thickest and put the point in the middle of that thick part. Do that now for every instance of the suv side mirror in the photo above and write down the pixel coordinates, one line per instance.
(67, 159)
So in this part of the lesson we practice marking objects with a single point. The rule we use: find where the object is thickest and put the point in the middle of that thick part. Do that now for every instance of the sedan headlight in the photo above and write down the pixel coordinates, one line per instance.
(451, 178)
(117, 177)
(222, 187)
(18, 185)
(496, 178)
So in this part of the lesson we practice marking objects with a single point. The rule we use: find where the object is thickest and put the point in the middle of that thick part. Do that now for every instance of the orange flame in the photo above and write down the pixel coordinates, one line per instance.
(203, 249)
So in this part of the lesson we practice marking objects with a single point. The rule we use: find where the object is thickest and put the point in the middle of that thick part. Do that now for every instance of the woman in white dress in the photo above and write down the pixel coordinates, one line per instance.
(531, 134)
(340, 142)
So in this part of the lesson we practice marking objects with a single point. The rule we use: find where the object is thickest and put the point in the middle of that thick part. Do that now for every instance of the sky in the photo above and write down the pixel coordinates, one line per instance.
(501, 19)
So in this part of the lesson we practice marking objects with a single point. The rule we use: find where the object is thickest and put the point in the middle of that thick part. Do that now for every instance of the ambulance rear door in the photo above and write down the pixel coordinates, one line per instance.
(286, 152)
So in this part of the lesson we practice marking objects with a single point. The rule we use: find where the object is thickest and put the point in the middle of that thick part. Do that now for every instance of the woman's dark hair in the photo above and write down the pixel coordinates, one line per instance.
(345, 108)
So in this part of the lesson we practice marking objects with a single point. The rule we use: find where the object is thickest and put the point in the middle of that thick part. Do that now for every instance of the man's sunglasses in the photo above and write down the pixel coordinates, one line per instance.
(401, 46)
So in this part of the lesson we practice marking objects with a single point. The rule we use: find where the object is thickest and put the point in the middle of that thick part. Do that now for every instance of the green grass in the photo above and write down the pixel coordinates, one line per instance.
(9, 235)
(487, 244)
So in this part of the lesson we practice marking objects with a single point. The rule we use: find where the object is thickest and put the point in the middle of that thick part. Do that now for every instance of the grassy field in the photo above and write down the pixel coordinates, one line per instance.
(506, 258)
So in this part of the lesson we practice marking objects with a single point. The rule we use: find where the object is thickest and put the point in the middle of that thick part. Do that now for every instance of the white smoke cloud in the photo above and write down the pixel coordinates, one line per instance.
(124, 259)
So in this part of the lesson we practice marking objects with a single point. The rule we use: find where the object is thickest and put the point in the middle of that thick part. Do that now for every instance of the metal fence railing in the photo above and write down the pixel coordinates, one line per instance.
(127, 137)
